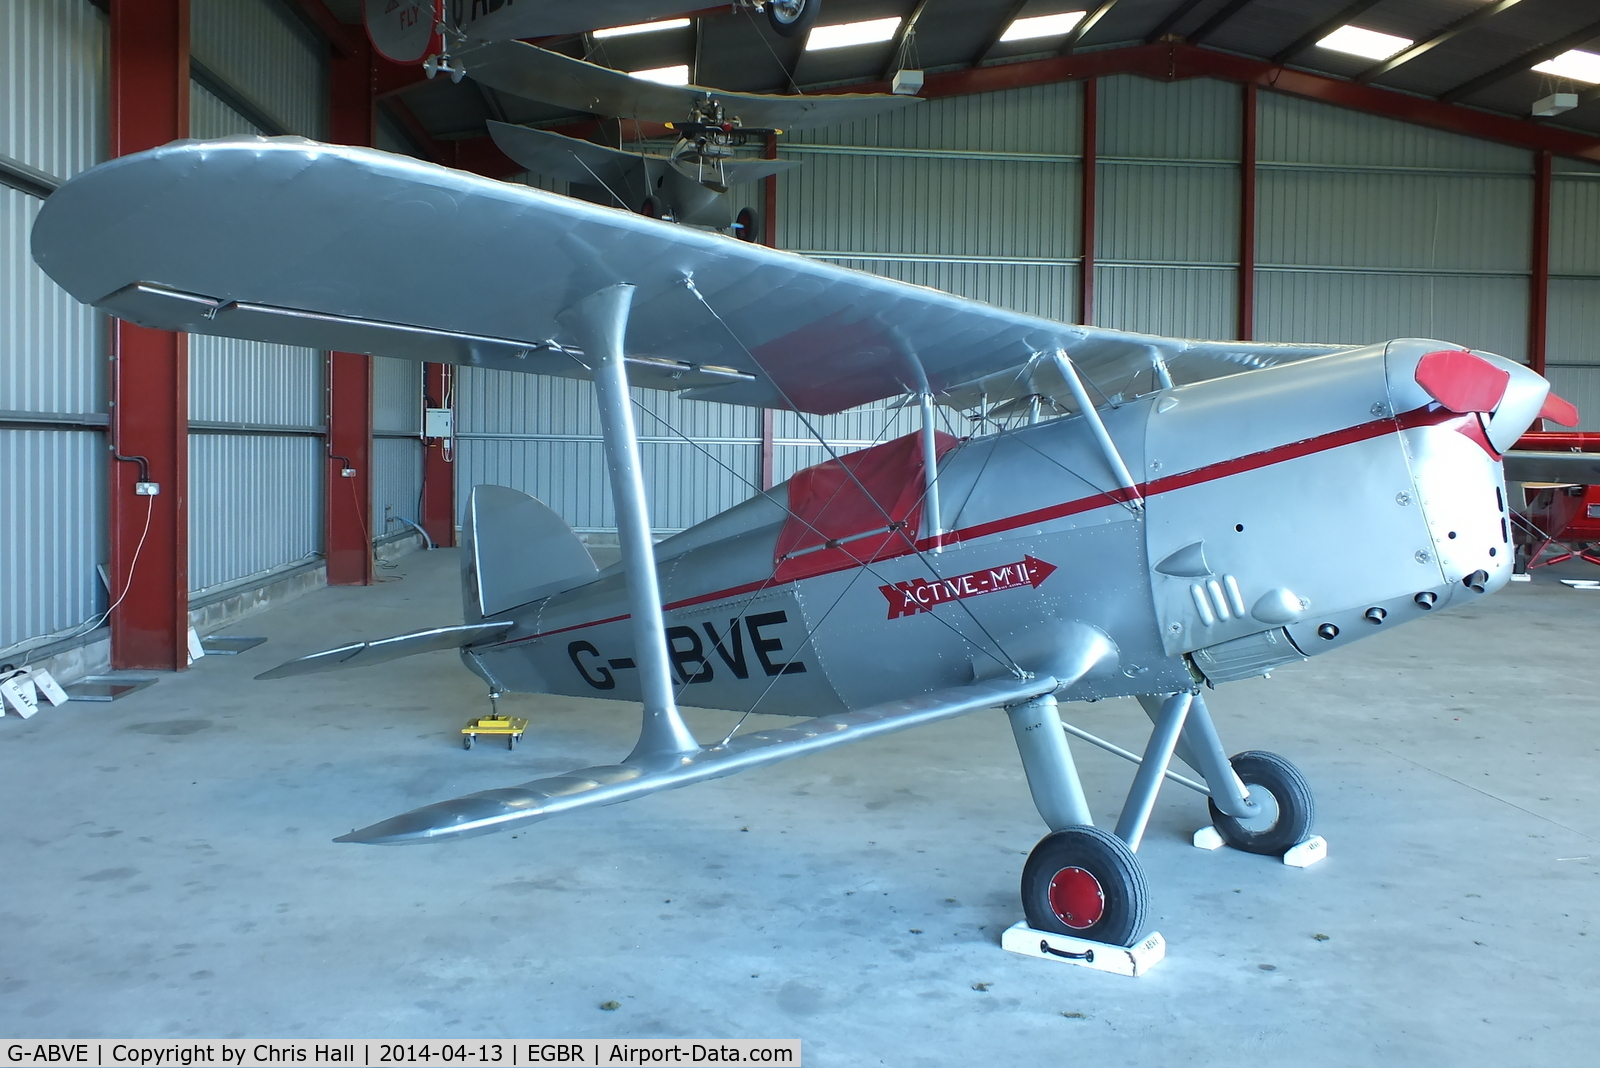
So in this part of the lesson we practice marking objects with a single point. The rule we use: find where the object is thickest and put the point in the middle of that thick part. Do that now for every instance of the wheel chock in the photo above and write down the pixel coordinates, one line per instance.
(1208, 838)
(1119, 960)
(1307, 853)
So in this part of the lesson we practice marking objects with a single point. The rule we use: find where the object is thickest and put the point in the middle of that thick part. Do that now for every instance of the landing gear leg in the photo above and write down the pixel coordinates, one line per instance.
(1260, 802)
(1079, 880)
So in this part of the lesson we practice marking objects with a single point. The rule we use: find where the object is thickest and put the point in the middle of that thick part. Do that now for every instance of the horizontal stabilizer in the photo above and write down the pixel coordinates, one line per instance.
(496, 810)
(534, 73)
(361, 654)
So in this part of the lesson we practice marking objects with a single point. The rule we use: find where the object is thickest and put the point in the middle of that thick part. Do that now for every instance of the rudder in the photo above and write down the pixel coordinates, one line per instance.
(514, 550)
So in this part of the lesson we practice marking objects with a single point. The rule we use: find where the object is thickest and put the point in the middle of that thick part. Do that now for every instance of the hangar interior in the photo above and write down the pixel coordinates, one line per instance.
(1079, 180)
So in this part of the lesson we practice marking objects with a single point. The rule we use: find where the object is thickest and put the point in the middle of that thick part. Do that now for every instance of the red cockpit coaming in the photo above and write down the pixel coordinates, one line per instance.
(1428, 416)
(861, 507)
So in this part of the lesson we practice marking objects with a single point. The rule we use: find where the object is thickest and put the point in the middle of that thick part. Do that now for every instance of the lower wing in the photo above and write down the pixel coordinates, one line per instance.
(497, 810)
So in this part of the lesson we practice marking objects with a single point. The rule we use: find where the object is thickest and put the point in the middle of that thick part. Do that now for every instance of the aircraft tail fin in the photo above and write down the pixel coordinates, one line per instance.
(515, 550)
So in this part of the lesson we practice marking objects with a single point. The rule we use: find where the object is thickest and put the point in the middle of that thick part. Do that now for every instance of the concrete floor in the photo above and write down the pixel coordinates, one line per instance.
(166, 867)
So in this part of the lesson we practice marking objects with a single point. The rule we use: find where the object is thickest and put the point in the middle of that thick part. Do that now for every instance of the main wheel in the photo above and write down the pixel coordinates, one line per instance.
(1287, 807)
(1086, 883)
(792, 18)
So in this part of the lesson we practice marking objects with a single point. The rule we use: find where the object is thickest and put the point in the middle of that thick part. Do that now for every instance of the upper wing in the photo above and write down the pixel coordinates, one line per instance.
(288, 240)
(540, 74)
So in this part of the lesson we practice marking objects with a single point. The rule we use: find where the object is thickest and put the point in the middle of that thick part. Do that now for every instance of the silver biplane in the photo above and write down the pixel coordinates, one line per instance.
(1207, 511)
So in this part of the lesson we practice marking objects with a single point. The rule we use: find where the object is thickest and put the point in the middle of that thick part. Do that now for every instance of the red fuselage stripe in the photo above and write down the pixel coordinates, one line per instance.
(1377, 428)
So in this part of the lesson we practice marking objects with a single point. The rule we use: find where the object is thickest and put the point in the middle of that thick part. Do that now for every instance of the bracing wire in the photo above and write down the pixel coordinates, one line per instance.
(919, 553)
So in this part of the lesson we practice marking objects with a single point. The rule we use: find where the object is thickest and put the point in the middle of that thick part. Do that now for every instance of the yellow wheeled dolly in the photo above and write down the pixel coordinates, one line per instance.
(509, 726)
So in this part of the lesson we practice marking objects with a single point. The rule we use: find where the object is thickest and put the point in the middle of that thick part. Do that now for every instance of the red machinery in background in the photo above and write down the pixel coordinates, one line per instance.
(1560, 473)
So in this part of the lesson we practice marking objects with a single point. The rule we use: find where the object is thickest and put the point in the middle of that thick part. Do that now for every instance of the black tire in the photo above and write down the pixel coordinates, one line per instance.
(1081, 859)
(466, 741)
(746, 226)
(1286, 788)
(511, 741)
(792, 18)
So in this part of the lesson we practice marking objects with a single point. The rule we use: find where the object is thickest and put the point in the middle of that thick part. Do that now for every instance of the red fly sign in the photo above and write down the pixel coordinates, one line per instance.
(920, 595)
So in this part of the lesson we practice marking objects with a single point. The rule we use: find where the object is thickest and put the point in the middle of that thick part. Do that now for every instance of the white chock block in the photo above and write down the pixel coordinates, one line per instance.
(1307, 853)
(17, 690)
(1064, 949)
(48, 686)
(1208, 838)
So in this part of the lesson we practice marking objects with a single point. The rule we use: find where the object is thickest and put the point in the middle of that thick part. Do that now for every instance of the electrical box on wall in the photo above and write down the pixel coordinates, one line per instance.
(438, 423)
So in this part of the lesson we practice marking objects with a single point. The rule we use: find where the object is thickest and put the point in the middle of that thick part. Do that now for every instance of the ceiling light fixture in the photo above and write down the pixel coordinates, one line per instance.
(1368, 44)
(1042, 26)
(845, 34)
(642, 27)
(1554, 104)
(1579, 66)
(678, 75)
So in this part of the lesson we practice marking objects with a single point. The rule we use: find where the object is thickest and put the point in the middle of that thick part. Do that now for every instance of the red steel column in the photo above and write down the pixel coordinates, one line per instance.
(1539, 280)
(1247, 218)
(347, 520)
(769, 198)
(1091, 117)
(149, 67)
(767, 420)
(438, 516)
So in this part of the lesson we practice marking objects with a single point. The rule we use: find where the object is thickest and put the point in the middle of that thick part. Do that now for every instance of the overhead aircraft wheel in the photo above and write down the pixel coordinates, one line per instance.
(1287, 807)
(745, 226)
(792, 18)
(1087, 883)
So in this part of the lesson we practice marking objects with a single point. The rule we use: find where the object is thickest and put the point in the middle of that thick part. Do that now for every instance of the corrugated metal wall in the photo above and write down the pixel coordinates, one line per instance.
(542, 436)
(1572, 354)
(1370, 229)
(53, 113)
(1167, 206)
(396, 444)
(256, 465)
(266, 56)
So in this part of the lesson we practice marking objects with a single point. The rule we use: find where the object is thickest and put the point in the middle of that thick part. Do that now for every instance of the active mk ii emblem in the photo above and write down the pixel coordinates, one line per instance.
(920, 595)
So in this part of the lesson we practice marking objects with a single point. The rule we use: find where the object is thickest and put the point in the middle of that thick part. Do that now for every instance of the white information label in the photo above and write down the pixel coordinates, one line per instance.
(237, 1053)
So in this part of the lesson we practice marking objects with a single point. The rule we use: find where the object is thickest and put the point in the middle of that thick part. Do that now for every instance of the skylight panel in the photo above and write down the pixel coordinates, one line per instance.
(1368, 44)
(642, 27)
(678, 75)
(1042, 26)
(1579, 66)
(846, 34)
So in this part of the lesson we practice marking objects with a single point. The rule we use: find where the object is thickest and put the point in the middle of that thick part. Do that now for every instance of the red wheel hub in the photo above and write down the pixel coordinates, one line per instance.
(1077, 898)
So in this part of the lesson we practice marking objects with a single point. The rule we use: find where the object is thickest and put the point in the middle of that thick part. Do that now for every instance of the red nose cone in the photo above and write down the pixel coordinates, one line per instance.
(1559, 410)
(1461, 381)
